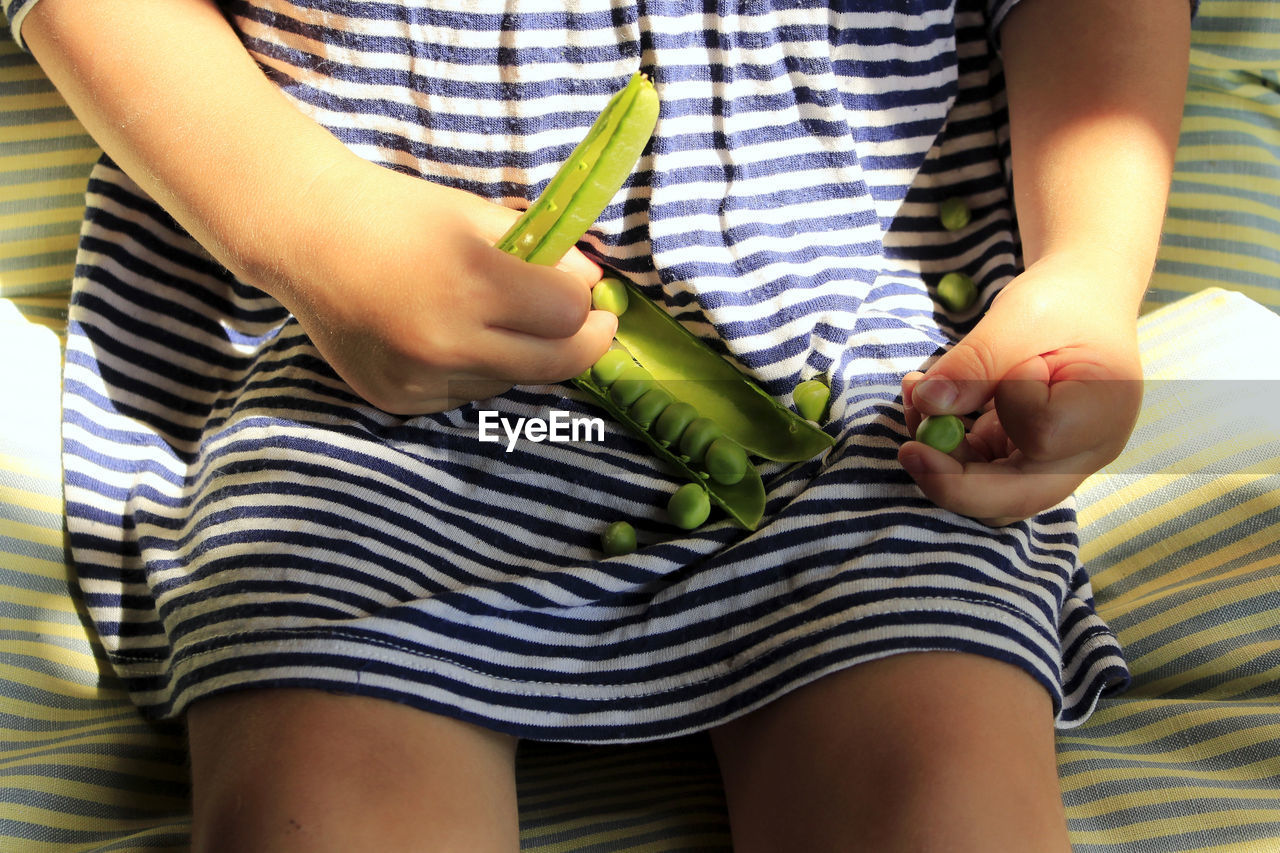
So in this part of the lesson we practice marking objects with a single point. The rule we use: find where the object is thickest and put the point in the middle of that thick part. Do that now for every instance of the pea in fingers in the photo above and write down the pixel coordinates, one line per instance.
(1052, 422)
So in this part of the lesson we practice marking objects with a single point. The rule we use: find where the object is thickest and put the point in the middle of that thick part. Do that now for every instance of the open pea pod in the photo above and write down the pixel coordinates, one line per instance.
(691, 372)
(684, 364)
(742, 501)
(674, 358)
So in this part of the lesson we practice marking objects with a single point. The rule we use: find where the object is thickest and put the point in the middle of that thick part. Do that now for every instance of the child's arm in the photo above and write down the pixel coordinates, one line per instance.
(1095, 99)
(394, 278)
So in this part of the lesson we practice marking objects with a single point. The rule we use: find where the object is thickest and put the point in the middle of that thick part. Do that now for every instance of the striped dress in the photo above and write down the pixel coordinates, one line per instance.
(239, 518)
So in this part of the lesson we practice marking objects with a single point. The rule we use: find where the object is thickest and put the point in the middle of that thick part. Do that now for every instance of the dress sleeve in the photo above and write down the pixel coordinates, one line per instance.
(15, 11)
(997, 10)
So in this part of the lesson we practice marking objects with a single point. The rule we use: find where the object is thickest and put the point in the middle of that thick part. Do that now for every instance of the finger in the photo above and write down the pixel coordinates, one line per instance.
(1082, 417)
(580, 267)
(964, 378)
(993, 492)
(494, 221)
(909, 410)
(1022, 401)
(987, 440)
(545, 302)
(529, 359)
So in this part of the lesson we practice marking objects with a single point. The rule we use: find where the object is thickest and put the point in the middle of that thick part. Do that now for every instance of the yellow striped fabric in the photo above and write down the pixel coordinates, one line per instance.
(1185, 559)
(1182, 537)
(1223, 224)
(45, 157)
(1236, 35)
(79, 769)
(648, 797)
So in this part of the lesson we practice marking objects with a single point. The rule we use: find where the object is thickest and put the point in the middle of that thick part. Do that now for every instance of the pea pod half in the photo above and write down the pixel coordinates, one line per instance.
(743, 501)
(589, 179)
(683, 363)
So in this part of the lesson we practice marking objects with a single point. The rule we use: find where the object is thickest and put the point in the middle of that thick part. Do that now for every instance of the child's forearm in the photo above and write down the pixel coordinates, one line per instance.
(1095, 100)
(395, 280)
(171, 95)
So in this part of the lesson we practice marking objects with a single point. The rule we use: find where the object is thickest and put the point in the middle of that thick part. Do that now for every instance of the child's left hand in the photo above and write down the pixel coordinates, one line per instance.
(1053, 368)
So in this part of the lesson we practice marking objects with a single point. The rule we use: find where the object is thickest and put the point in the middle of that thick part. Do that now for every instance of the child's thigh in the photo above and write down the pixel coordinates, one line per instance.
(294, 769)
(918, 751)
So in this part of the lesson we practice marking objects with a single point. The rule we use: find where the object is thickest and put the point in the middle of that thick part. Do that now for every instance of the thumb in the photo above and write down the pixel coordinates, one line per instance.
(965, 378)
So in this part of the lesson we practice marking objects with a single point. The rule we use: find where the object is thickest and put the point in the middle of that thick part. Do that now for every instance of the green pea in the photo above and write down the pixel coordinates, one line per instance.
(689, 506)
(610, 295)
(618, 538)
(945, 432)
(673, 421)
(957, 292)
(811, 398)
(606, 369)
(630, 385)
(650, 406)
(697, 438)
(726, 461)
(954, 214)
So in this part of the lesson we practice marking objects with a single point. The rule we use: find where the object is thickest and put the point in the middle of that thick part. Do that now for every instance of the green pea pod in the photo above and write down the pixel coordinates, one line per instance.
(587, 181)
(678, 360)
(742, 501)
(683, 364)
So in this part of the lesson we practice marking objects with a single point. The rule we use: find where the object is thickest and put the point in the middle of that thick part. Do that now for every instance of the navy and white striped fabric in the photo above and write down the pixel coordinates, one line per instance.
(239, 518)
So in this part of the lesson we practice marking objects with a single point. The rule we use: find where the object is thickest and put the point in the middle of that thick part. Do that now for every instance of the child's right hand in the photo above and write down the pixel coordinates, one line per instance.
(399, 286)
(395, 279)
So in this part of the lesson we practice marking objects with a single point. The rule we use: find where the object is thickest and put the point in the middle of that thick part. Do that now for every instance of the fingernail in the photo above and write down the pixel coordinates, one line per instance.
(913, 464)
(937, 393)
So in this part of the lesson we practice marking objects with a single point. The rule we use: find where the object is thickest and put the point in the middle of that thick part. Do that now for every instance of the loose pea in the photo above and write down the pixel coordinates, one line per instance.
(671, 424)
(726, 461)
(954, 214)
(609, 365)
(811, 398)
(697, 437)
(649, 406)
(689, 506)
(630, 385)
(957, 292)
(945, 432)
(618, 538)
(610, 295)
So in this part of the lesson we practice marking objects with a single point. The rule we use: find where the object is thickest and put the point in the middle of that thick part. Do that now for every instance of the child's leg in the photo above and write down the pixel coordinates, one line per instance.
(926, 752)
(284, 769)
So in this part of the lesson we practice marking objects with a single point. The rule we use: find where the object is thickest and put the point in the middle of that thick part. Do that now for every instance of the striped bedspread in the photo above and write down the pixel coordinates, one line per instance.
(1223, 224)
(1181, 535)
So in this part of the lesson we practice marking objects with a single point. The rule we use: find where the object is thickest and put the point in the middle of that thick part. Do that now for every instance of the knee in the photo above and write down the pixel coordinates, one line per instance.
(959, 755)
(241, 804)
(916, 752)
(247, 822)
(301, 770)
